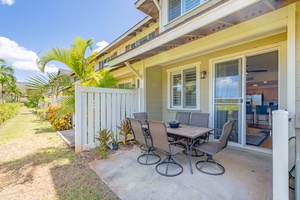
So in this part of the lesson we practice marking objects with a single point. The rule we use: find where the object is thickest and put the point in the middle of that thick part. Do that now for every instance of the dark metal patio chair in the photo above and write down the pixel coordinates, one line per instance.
(183, 117)
(200, 120)
(148, 156)
(168, 167)
(212, 148)
(142, 116)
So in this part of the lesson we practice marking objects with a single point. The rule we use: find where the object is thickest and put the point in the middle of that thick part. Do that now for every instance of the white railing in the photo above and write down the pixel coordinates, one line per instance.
(98, 109)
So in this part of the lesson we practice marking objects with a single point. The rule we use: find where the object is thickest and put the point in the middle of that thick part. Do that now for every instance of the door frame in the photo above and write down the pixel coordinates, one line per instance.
(243, 55)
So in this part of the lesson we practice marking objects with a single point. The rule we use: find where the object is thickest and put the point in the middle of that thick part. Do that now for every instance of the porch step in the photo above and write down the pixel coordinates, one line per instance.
(68, 136)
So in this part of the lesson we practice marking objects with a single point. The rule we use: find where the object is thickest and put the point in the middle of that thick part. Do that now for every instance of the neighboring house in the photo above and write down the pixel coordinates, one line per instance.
(208, 55)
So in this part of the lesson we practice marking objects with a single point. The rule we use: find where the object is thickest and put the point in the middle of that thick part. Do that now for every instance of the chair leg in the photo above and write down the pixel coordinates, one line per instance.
(168, 161)
(148, 153)
(209, 159)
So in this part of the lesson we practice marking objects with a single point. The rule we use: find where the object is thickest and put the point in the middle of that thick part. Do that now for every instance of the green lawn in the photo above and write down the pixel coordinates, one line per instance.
(36, 164)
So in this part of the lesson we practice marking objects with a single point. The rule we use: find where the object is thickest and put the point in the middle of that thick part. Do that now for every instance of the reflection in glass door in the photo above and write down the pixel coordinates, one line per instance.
(228, 102)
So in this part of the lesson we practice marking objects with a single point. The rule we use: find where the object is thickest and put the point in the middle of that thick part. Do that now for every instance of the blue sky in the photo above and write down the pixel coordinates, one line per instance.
(30, 27)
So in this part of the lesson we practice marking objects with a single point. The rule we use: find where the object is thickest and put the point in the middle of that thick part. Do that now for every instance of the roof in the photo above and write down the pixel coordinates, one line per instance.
(66, 72)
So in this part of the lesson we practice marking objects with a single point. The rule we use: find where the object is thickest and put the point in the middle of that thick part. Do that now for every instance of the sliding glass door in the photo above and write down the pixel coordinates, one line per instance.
(227, 97)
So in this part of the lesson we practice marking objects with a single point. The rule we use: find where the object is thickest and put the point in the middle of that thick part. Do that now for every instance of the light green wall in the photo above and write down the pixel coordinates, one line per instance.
(154, 93)
(205, 66)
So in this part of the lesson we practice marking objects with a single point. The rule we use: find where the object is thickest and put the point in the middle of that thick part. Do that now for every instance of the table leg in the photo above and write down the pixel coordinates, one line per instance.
(188, 149)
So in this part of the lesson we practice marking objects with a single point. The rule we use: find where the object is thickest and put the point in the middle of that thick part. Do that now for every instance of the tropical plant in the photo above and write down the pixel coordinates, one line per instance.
(83, 68)
(74, 58)
(50, 83)
(125, 130)
(6, 77)
(104, 137)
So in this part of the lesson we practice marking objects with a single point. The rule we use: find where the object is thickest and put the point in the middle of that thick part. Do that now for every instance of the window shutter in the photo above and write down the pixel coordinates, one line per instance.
(190, 4)
(174, 9)
(176, 89)
(190, 88)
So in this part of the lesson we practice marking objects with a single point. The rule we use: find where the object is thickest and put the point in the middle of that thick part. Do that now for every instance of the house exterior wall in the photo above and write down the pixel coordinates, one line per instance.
(144, 32)
(297, 99)
(154, 100)
(204, 61)
(165, 24)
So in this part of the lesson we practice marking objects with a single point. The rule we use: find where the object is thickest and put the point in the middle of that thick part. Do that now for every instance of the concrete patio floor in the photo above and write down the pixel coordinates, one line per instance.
(248, 176)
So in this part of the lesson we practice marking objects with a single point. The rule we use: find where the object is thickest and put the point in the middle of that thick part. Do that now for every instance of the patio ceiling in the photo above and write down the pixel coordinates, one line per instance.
(255, 10)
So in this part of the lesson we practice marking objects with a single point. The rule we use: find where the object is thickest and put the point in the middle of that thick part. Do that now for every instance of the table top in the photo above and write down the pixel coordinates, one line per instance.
(189, 131)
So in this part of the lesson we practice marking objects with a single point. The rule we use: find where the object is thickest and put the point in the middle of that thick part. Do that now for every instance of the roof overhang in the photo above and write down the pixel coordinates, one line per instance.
(126, 36)
(218, 19)
(149, 7)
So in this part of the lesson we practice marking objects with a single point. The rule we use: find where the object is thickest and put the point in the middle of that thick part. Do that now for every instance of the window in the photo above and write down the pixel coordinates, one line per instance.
(179, 7)
(183, 88)
(126, 85)
(174, 9)
(143, 40)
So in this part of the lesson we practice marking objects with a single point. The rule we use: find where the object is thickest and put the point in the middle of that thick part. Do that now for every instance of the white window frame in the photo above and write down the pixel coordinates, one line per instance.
(169, 85)
(125, 82)
(183, 8)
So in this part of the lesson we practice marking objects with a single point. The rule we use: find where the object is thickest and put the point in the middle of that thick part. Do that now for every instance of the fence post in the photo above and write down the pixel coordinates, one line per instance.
(280, 155)
(78, 137)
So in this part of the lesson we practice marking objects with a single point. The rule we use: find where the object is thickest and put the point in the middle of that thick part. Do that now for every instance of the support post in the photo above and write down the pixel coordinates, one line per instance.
(280, 155)
(78, 137)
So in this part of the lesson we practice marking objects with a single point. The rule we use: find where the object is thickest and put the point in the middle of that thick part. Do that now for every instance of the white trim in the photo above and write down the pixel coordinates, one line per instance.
(125, 81)
(207, 18)
(185, 15)
(181, 69)
(243, 55)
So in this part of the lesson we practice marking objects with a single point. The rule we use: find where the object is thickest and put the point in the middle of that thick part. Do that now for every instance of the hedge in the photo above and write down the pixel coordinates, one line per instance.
(9, 110)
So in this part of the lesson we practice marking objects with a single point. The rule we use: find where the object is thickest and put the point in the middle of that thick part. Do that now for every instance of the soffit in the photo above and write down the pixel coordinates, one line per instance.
(253, 11)
(148, 7)
(127, 36)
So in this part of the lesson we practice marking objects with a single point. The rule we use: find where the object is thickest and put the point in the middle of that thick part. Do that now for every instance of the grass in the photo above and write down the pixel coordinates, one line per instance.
(36, 164)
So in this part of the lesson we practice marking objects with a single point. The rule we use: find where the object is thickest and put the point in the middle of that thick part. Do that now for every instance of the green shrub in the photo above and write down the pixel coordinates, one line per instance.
(9, 110)
(31, 104)
(61, 123)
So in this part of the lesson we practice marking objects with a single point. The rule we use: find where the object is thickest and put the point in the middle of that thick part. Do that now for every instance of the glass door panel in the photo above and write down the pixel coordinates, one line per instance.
(228, 102)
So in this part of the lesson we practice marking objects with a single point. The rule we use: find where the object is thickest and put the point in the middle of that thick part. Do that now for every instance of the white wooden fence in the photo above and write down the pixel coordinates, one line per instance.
(98, 109)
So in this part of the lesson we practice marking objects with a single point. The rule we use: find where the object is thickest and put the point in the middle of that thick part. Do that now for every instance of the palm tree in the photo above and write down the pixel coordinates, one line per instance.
(6, 76)
(51, 83)
(83, 68)
(74, 58)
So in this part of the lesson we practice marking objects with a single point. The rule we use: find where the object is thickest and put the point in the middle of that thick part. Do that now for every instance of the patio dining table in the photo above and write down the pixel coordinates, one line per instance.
(189, 134)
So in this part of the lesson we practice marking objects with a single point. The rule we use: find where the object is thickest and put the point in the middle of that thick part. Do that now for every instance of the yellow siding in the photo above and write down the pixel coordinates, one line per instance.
(298, 57)
(143, 33)
(204, 60)
(154, 93)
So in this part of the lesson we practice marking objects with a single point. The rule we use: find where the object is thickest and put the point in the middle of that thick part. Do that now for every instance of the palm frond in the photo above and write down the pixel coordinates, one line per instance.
(56, 53)
(67, 105)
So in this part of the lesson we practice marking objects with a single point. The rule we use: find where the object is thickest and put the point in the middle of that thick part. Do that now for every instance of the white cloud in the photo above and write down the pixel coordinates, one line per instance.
(101, 45)
(17, 56)
(7, 2)
(51, 68)
(227, 82)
